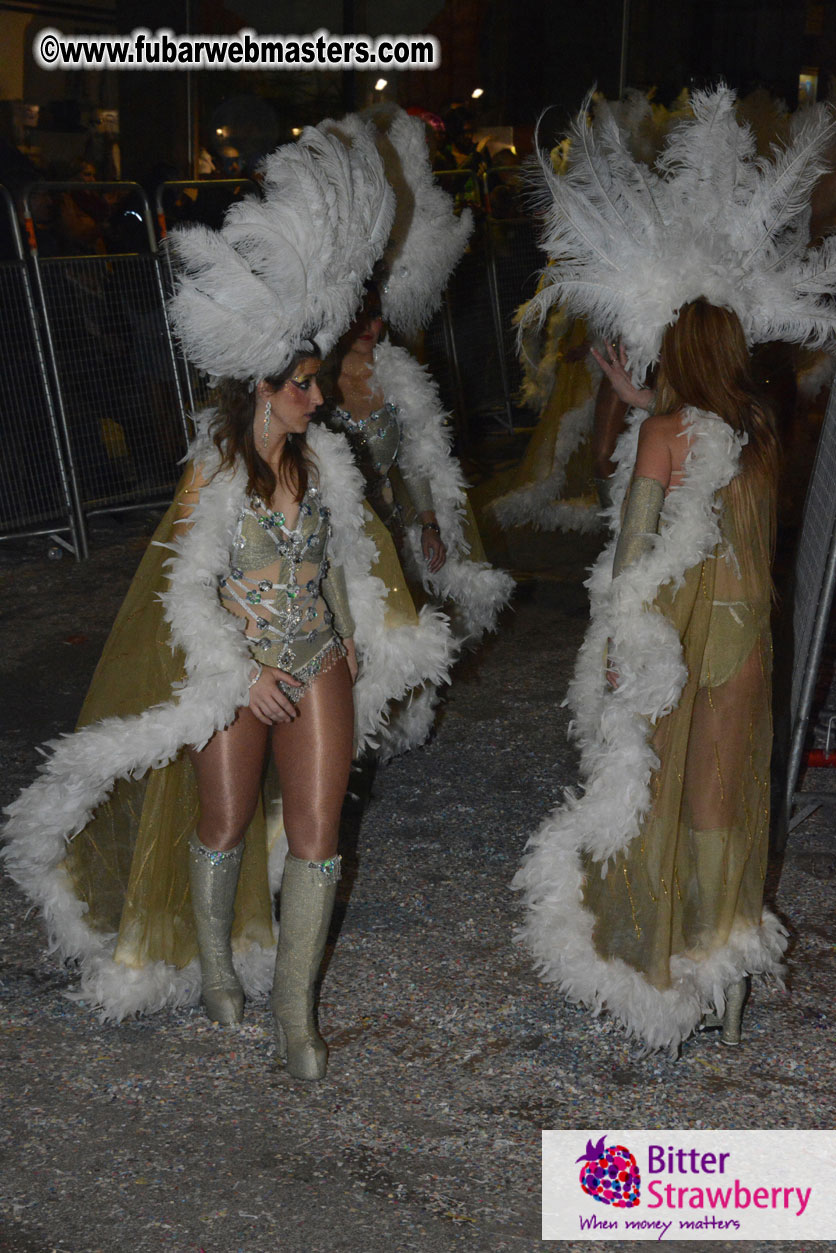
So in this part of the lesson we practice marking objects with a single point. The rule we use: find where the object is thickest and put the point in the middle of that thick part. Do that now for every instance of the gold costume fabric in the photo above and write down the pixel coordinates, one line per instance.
(573, 388)
(375, 442)
(696, 870)
(129, 865)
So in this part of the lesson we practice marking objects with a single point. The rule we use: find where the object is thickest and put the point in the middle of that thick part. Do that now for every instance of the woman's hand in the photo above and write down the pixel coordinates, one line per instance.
(432, 545)
(616, 371)
(351, 658)
(267, 700)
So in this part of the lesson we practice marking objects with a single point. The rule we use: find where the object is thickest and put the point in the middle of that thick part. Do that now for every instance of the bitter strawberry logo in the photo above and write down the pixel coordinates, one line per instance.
(610, 1174)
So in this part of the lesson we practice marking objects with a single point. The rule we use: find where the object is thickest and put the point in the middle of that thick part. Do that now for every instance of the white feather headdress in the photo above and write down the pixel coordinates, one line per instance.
(428, 239)
(284, 272)
(631, 244)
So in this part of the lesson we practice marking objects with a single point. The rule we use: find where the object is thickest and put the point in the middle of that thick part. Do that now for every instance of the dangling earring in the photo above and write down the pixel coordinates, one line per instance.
(265, 435)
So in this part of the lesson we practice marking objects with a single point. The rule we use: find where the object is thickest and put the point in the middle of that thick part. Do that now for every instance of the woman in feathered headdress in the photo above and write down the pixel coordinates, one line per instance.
(389, 406)
(644, 894)
(238, 631)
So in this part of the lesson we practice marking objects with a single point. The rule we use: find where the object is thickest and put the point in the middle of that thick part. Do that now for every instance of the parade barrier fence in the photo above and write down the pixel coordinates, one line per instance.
(815, 583)
(36, 491)
(472, 343)
(95, 396)
(108, 359)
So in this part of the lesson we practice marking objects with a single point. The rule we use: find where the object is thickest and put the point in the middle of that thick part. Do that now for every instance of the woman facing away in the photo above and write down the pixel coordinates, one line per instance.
(645, 896)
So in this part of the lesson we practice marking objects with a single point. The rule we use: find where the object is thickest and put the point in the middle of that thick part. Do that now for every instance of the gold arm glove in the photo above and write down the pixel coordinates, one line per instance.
(421, 494)
(639, 524)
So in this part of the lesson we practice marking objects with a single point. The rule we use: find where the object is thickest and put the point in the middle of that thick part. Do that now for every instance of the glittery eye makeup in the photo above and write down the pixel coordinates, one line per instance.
(304, 383)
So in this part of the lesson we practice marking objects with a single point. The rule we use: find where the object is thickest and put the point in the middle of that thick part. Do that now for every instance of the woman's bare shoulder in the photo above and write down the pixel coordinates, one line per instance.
(660, 450)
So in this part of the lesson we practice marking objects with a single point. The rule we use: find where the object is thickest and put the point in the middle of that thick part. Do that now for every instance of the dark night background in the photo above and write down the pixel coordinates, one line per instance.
(527, 55)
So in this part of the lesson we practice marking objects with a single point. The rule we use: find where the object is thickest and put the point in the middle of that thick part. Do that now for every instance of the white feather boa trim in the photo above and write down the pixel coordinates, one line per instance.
(81, 768)
(617, 761)
(477, 589)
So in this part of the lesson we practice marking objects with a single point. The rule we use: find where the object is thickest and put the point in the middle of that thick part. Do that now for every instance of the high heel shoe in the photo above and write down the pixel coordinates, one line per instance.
(735, 1000)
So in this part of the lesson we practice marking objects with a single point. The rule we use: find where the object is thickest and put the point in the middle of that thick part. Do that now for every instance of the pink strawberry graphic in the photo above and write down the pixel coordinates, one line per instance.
(610, 1174)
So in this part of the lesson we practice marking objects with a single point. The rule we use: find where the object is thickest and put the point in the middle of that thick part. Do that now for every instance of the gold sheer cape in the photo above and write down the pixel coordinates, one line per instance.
(644, 893)
(129, 864)
(696, 870)
(557, 468)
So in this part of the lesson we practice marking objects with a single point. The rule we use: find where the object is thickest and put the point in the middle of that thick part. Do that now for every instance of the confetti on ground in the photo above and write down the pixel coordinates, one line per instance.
(448, 1055)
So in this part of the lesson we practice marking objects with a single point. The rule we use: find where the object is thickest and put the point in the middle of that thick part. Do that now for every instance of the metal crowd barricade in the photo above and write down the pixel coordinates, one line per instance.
(37, 495)
(514, 263)
(179, 203)
(442, 359)
(98, 285)
(815, 583)
(461, 343)
(473, 344)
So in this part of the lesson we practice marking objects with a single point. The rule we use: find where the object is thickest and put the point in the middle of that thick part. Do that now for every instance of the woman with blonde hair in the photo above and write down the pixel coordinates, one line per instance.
(644, 895)
(695, 877)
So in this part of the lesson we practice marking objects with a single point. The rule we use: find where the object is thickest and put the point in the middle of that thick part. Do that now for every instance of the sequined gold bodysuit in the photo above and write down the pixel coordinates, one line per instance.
(281, 582)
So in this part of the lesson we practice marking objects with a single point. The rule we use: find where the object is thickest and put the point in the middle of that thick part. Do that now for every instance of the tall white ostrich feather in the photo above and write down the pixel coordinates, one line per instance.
(428, 239)
(630, 244)
(284, 273)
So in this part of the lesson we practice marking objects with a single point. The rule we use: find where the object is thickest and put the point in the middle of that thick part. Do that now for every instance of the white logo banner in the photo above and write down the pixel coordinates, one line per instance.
(689, 1185)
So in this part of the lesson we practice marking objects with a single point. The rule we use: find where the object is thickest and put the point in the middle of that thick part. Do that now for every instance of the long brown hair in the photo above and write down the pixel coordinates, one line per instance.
(705, 363)
(234, 439)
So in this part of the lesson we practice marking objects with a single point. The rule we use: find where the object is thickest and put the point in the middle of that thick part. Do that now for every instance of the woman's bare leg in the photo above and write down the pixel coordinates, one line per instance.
(313, 759)
(228, 772)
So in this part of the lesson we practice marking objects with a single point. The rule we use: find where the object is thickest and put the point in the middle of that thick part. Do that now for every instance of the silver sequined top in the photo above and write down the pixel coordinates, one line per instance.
(294, 601)
(376, 442)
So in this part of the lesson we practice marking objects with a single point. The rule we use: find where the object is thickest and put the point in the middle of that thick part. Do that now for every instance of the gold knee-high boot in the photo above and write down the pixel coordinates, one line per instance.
(307, 902)
(213, 880)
